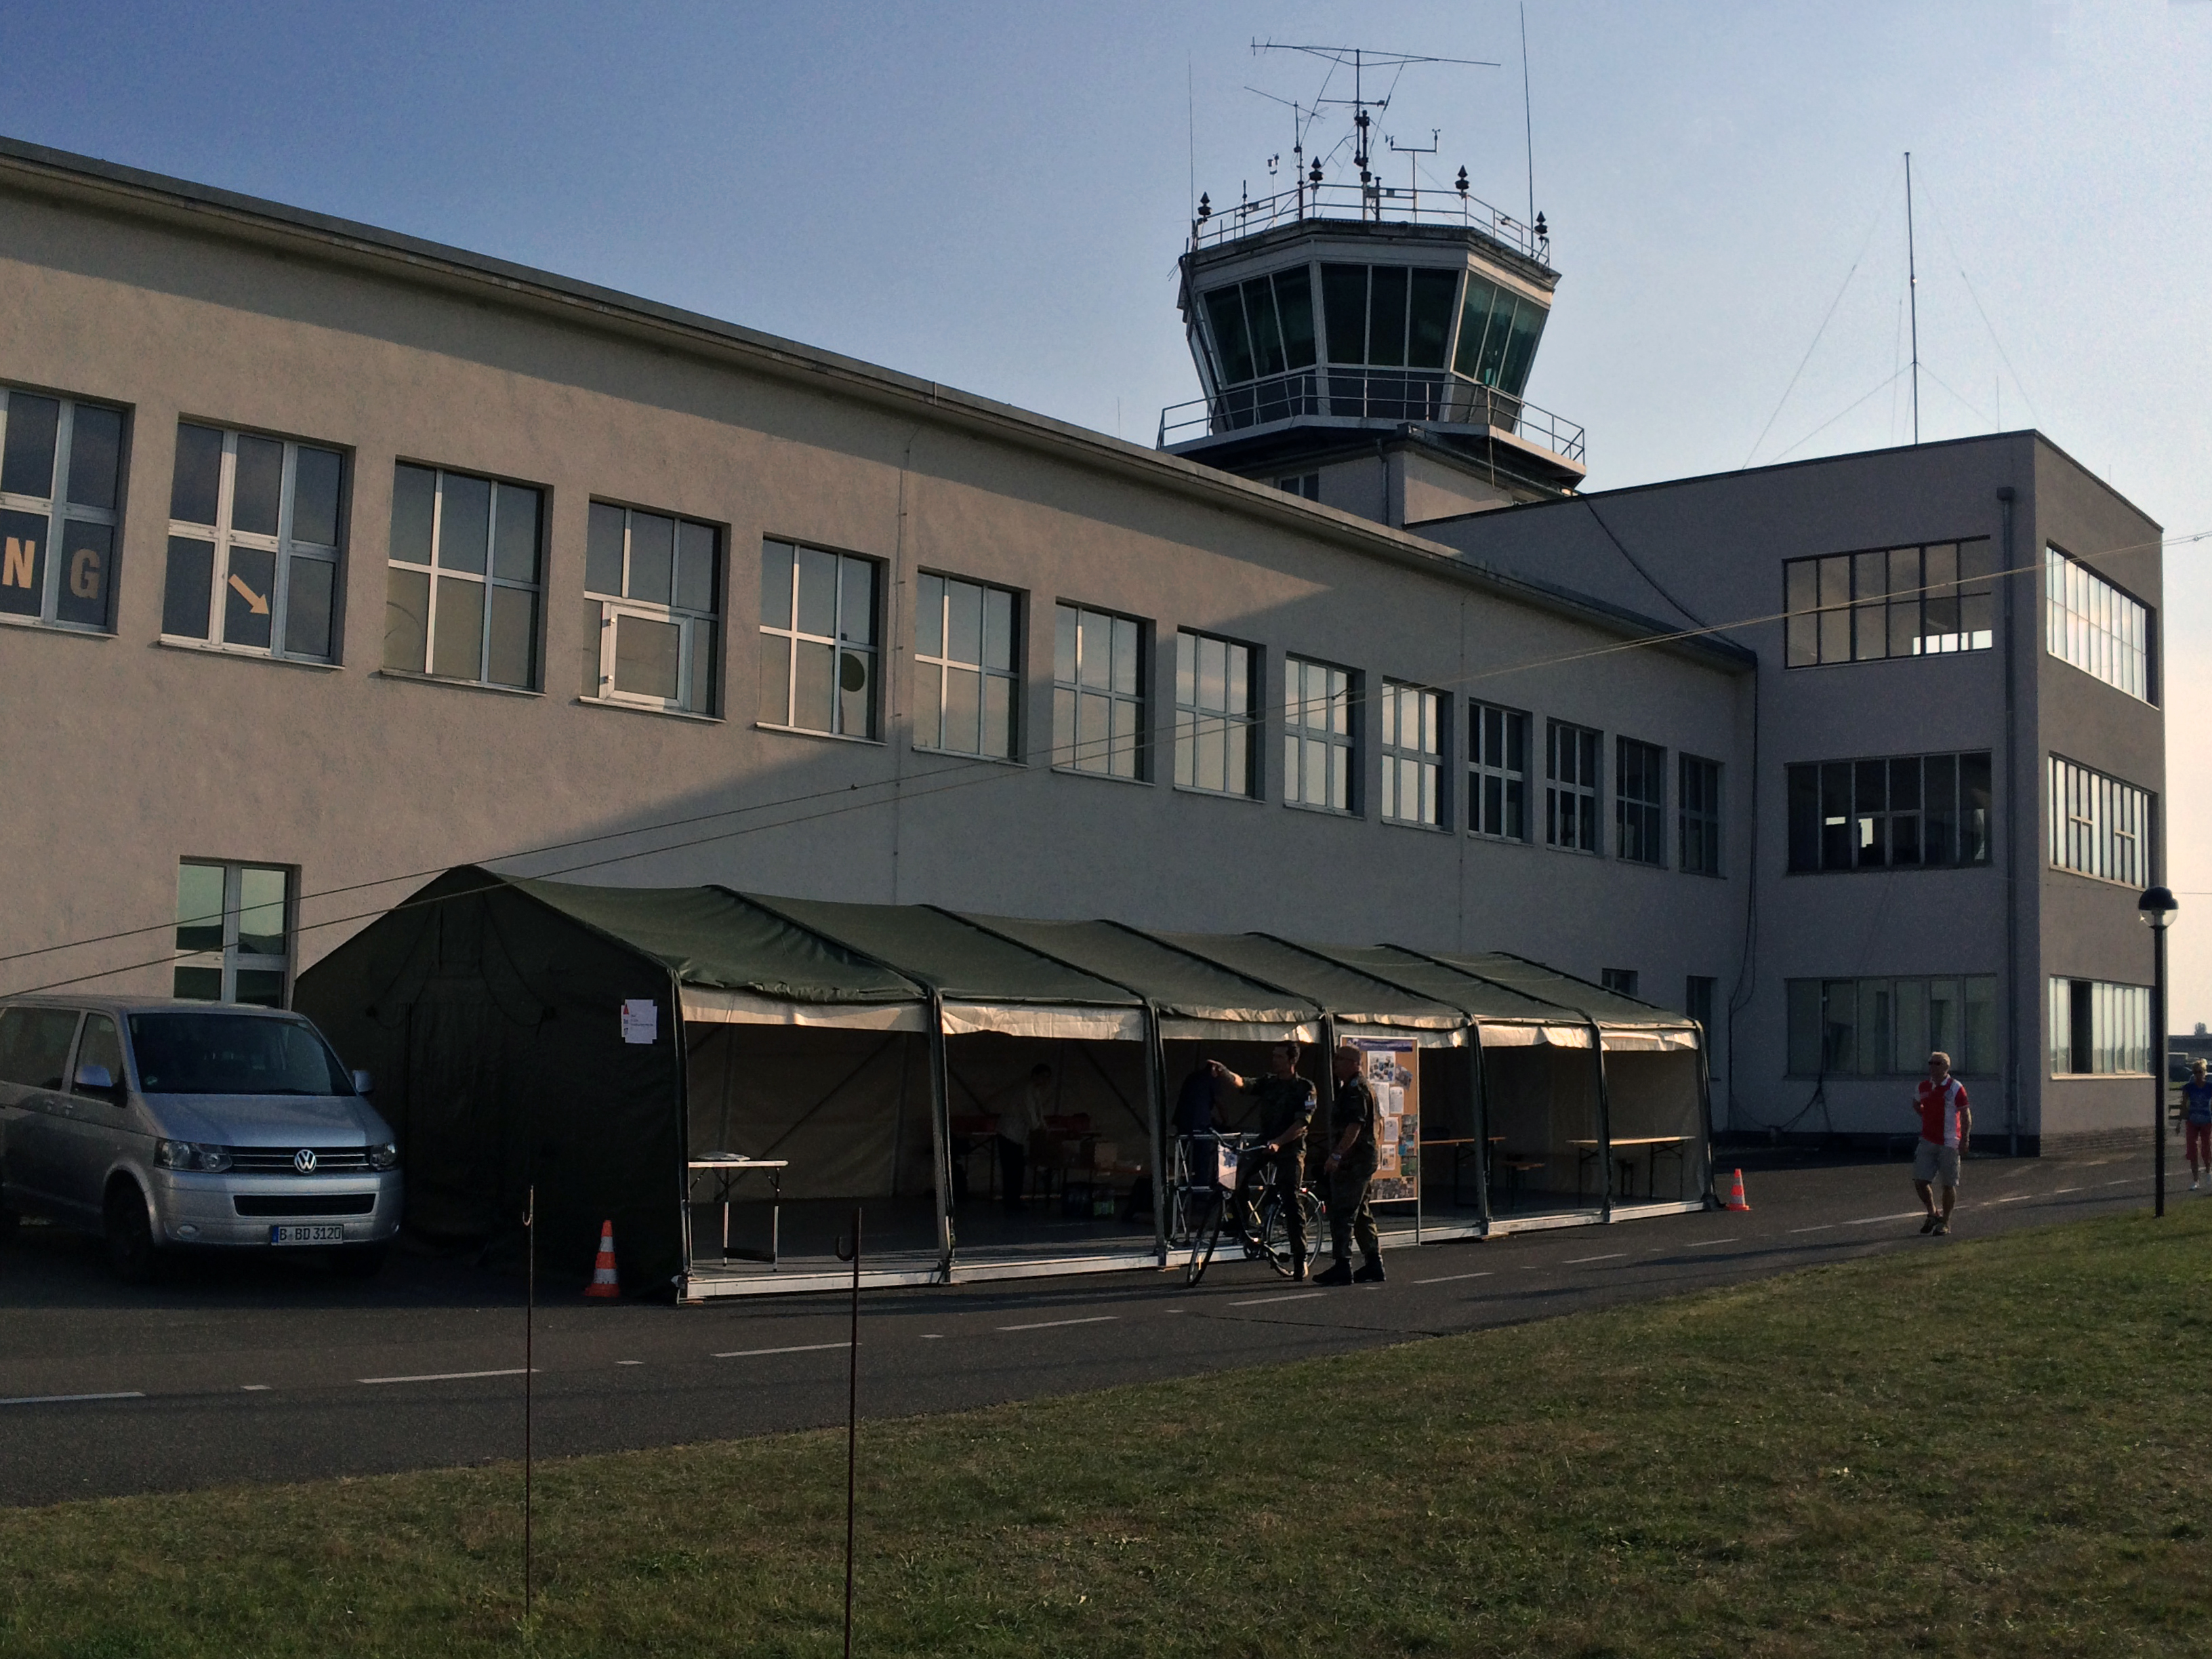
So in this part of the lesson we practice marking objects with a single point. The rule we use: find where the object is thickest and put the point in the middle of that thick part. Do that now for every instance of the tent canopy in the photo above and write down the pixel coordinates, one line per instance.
(1196, 997)
(1353, 997)
(985, 982)
(1624, 1023)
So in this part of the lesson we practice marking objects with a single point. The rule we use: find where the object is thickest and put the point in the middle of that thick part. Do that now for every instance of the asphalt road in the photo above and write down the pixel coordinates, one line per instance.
(274, 1370)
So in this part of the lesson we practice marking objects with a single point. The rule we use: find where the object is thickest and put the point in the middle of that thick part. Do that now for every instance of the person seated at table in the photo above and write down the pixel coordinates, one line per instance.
(1019, 1118)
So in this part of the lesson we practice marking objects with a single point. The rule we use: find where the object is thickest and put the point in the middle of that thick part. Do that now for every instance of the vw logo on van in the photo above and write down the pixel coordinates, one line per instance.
(304, 1160)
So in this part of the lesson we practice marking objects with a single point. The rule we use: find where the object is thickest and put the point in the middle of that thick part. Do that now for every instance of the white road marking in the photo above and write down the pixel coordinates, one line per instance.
(254, 1387)
(1453, 1278)
(1822, 1228)
(1054, 1324)
(2055, 1191)
(629, 1361)
(803, 1347)
(932, 1336)
(2124, 1181)
(443, 1377)
(1268, 1301)
(1876, 1220)
(70, 1399)
(1577, 1260)
(1701, 1243)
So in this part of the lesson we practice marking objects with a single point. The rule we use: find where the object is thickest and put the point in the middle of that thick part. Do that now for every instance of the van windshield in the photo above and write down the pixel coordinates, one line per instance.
(211, 1053)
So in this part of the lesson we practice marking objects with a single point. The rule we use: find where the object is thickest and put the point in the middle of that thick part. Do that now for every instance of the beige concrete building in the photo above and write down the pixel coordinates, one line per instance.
(335, 558)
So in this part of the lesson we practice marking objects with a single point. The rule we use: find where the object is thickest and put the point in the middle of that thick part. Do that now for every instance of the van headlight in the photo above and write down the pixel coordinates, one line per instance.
(191, 1155)
(386, 1156)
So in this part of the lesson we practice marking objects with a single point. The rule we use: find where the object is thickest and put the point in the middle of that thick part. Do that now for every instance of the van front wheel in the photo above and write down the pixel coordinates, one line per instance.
(131, 1251)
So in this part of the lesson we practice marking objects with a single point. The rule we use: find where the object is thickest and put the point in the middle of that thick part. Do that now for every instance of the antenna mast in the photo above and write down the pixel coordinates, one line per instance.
(1912, 284)
(1528, 119)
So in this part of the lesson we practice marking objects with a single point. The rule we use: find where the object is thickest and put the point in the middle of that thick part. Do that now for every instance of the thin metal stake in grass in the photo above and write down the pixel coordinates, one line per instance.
(528, 1365)
(851, 1426)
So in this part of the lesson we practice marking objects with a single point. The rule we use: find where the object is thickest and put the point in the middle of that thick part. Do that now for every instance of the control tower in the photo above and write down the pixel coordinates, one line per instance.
(1365, 344)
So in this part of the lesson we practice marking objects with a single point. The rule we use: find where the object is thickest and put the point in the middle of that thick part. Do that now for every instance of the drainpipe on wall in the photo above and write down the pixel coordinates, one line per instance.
(2012, 808)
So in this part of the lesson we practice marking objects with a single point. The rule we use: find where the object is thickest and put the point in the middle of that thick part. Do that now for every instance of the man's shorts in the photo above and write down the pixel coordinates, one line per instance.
(1933, 1162)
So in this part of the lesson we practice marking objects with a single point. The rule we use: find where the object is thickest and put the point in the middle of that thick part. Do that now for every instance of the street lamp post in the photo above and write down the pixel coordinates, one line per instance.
(2156, 908)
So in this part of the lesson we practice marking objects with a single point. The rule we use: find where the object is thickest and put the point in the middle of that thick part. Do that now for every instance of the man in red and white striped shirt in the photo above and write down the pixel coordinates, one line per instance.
(1945, 1124)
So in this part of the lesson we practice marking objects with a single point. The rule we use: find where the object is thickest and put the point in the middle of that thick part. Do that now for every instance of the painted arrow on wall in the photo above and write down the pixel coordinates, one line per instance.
(254, 602)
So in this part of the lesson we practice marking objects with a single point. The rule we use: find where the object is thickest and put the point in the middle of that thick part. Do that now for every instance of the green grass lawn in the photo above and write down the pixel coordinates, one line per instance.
(1991, 1447)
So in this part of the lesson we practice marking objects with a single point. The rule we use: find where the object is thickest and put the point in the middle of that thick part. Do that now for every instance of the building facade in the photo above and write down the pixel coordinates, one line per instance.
(336, 558)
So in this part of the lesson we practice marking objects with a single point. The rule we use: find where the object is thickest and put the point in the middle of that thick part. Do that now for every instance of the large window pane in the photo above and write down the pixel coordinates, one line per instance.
(652, 557)
(26, 460)
(464, 523)
(199, 906)
(1344, 311)
(307, 608)
(186, 588)
(406, 618)
(257, 485)
(316, 482)
(196, 487)
(96, 453)
(1386, 316)
(261, 911)
(515, 558)
(457, 645)
(602, 554)
(249, 588)
(513, 658)
(1429, 317)
(413, 502)
(87, 557)
(646, 656)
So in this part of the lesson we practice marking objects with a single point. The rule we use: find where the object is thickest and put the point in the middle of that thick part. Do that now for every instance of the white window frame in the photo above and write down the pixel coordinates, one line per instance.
(1586, 832)
(2100, 827)
(697, 631)
(840, 642)
(1415, 769)
(2119, 1028)
(230, 959)
(284, 547)
(937, 667)
(2096, 627)
(1483, 769)
(1076, 684)
(60, 513)
(1196, 720)
(487, 578)
(1321, 737)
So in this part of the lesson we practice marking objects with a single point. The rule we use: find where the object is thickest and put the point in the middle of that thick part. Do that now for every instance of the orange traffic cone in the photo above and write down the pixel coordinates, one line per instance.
(1737, 1201)
(604, 1282)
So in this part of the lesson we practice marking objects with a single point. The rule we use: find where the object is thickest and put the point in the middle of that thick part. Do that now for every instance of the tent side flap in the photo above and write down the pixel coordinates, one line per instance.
(1649, 1040)
(1045, 1020)
(1503, 1035)
(708, 1005)
(1422, 1036)
(1174, 1029)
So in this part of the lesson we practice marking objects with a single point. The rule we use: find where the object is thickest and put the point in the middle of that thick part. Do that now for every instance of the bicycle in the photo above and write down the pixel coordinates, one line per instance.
(1271, 1240)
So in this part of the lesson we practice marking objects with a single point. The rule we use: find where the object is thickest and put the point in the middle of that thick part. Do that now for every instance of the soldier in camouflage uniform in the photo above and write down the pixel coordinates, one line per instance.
(1354, 1125)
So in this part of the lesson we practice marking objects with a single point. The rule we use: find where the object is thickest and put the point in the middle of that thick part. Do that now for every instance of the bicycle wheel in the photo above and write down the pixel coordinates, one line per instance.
(1203, 1239)
(1274, 1241)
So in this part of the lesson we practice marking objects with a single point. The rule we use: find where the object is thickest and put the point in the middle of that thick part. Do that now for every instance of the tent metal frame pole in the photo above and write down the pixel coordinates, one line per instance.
(940, 1135)
(1706, 1195)
(1479, 1083)
(683, 1051)
(1156, 1085)
(1604, 1122)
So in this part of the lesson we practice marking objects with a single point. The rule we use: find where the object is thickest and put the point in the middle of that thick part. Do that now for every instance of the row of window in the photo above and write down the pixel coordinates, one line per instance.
(1378, 316)
(1887, 1027)
(2099, 826)
(1907, 811)
(1939, 597)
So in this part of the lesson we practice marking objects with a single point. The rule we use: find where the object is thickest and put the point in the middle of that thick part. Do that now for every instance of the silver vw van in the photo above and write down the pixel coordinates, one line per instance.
(167, 1125)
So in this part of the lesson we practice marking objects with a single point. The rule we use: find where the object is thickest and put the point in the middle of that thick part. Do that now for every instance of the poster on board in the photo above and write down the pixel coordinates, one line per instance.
(1392, 1067)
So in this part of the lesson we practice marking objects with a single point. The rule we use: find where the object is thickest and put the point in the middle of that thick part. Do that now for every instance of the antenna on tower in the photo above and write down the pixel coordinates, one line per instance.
(1360, 60)
(1913, 286)
(1412, 167)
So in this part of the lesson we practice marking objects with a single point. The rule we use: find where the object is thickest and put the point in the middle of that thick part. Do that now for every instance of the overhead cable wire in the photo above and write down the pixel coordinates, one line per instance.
(1960, 264)
(1892, 380)
(1825, 318)
(940, 782)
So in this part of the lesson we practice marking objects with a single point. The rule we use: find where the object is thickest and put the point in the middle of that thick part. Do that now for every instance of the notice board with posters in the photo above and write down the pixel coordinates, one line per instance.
(1392, 1067)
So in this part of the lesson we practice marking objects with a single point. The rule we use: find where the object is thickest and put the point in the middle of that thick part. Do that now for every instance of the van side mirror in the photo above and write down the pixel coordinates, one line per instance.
(362, 1083)
(94, 1081)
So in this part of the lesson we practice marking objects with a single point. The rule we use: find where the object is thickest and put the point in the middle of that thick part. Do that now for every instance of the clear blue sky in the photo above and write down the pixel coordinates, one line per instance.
(994, 196)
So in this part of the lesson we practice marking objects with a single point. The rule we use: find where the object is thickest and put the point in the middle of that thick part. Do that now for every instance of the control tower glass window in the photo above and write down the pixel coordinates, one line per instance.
(1261, 327)
(1388, 316)
(1497, 334)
